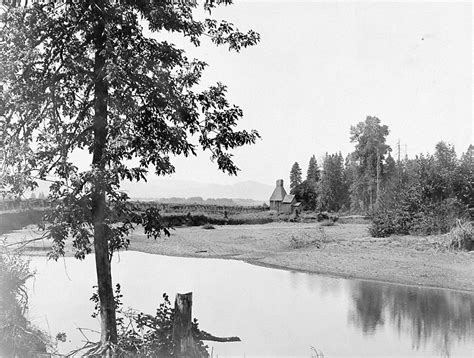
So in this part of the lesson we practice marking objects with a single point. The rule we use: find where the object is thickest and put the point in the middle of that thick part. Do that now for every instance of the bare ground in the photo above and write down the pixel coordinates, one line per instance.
(344, 250)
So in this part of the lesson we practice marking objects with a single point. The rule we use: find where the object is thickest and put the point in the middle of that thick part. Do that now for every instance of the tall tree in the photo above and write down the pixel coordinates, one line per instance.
(83, 75)
(332, 194)
(295, 177)
(370, 151)
(313, 170)
(464, 182)
(446, 163)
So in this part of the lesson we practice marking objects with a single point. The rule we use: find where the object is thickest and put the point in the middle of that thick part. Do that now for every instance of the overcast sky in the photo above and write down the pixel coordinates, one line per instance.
(324, 66)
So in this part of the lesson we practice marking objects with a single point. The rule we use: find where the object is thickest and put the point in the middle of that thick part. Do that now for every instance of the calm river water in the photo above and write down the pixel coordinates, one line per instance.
(276, 313)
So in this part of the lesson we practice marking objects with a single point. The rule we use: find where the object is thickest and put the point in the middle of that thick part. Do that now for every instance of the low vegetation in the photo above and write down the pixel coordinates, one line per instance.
(197, 219)
(10, 221)
(302, 240)
(18, 337)
(462, 236)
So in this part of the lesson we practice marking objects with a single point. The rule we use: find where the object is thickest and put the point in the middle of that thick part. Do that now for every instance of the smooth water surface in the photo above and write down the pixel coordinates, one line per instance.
(275, 312)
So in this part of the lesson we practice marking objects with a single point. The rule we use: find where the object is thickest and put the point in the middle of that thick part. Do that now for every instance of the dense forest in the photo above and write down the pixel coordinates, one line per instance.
(424, 195)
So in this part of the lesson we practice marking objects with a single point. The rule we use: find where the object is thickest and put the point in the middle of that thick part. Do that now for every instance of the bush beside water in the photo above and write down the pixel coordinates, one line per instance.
(18, 338)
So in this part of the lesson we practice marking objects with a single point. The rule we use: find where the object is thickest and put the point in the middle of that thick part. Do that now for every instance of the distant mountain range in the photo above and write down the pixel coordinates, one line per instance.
(157, 188)
(246, 193)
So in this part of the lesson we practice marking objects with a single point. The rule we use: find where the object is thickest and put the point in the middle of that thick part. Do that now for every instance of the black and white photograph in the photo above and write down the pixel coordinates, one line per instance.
(236, 178)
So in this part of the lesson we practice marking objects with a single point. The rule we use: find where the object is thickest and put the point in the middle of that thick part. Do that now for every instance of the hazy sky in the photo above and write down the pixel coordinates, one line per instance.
(324, 66)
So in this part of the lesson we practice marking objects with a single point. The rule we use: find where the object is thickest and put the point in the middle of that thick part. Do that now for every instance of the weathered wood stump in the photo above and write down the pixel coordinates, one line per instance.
(183, 338)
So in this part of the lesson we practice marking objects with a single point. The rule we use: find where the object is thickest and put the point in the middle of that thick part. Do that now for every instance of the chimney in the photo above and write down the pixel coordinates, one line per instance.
(280, 182)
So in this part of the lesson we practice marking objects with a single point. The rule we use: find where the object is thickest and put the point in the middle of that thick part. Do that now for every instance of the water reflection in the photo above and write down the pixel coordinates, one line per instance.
(277, 313)
(430, 316)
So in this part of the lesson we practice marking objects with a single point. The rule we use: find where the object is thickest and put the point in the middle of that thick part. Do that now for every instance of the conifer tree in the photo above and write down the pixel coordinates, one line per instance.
(313, 170)
(295, 177)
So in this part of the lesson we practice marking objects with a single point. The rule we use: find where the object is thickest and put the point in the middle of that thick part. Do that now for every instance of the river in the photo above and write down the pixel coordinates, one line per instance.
(276, 313)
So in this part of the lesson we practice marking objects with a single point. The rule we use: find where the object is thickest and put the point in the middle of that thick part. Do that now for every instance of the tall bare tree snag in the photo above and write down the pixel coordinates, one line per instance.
(82, 76)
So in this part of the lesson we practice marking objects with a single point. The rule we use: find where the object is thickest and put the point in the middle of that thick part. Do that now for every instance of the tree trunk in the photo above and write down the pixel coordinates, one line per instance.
(104, 276)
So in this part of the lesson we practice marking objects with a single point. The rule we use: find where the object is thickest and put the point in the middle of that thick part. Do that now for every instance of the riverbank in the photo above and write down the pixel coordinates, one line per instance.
(344, 250)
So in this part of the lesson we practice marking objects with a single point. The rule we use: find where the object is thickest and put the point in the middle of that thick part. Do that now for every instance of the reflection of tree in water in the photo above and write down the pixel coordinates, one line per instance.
(17, 337)
(439, 317)
(368, 310)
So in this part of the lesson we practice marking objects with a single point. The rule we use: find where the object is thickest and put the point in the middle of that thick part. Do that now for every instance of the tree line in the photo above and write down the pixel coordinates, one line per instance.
(423, 194)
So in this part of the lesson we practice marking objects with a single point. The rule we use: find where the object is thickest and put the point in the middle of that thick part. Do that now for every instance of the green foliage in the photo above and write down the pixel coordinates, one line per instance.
(295, 177)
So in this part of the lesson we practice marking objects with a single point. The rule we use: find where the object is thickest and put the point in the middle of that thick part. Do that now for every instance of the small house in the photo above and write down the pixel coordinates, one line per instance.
(282, 202)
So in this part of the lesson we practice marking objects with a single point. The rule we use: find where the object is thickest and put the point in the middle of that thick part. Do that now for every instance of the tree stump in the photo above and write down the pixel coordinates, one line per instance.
(184, 344)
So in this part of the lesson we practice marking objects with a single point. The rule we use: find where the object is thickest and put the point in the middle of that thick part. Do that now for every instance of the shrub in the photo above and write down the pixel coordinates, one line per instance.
(327, 223)
(437, 218)
(18, 338)
(382, 224)
(406, 214)
(462, 236)
(297, 242)
(306, 240)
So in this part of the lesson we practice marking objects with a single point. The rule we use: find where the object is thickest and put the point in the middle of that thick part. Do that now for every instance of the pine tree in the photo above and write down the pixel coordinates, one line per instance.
(313, 170)
(332, 194)
(295, 177)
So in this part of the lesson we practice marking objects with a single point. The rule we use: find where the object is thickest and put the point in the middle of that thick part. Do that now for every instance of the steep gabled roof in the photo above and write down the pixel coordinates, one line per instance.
(288, 199)
(278, 194)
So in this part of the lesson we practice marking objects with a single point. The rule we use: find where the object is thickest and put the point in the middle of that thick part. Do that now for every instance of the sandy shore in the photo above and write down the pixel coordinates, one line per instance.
(344, 250)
